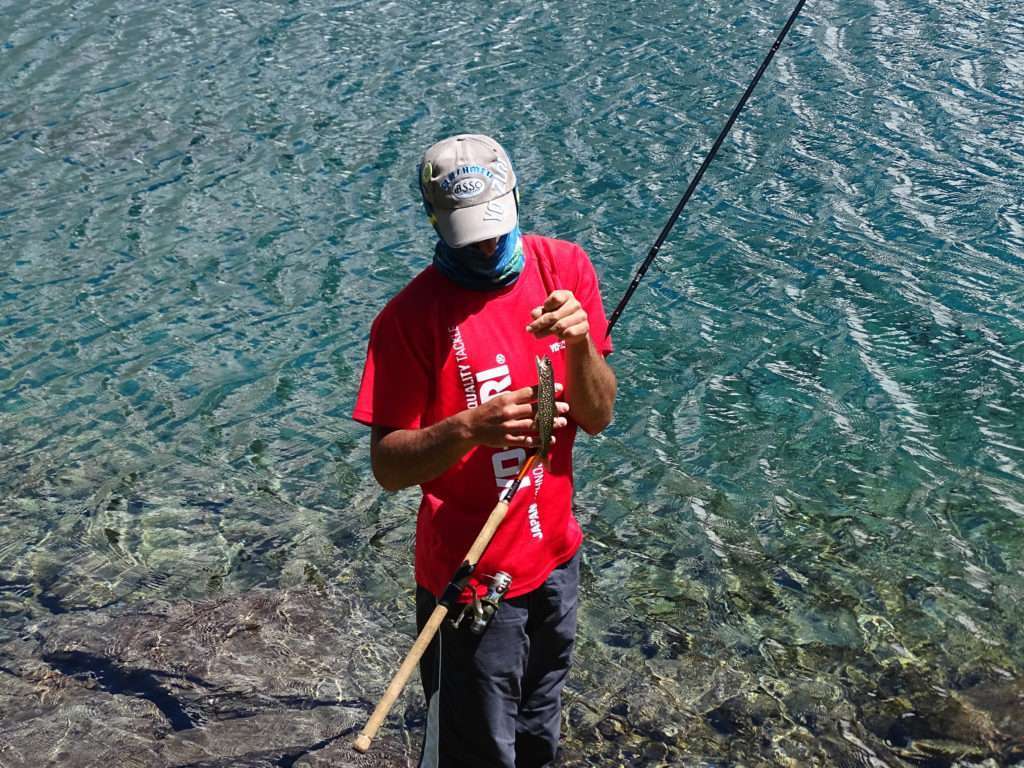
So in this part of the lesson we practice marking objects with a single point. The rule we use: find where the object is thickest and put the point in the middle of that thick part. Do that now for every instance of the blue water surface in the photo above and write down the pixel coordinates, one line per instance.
(805, 527)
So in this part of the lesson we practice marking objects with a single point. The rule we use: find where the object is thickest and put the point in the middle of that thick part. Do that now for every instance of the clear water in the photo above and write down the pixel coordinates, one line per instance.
(815, 473)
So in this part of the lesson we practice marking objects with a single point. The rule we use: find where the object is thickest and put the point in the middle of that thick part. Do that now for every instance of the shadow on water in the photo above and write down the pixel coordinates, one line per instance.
(124, 681)
(149, 684)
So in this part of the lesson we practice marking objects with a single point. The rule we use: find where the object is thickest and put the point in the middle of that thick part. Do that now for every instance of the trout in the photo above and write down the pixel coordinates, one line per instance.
(545, 419)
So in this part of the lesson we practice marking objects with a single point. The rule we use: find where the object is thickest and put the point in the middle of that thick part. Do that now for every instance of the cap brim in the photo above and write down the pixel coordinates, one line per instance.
(465, 226)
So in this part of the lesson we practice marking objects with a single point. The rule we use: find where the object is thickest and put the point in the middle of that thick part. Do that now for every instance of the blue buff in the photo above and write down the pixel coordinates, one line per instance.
(472, 269)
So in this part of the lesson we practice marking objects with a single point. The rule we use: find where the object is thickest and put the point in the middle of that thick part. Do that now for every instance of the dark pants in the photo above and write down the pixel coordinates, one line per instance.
(495, 699)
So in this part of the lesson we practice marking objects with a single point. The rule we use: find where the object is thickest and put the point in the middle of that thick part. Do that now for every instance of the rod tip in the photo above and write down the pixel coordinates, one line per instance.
(361, 744)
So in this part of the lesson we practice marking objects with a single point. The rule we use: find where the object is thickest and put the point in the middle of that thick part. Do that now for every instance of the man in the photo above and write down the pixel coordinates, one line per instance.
(447, 392)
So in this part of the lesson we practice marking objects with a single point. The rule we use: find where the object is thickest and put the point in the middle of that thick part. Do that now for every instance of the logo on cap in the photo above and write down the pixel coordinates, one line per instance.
(463, 189)
(494, 211)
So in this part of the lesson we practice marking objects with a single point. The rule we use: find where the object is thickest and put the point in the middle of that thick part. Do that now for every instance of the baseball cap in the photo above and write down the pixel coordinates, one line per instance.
(468, 185)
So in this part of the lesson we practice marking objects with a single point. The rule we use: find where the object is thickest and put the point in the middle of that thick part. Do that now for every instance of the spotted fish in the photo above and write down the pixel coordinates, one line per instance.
(545, 419)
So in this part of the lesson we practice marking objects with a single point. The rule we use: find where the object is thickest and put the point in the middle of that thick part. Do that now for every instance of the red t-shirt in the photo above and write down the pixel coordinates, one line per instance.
(437, 349)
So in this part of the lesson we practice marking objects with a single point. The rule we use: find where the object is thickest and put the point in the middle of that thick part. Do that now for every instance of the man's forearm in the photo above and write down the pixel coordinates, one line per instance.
(591, 387)
(406, 457)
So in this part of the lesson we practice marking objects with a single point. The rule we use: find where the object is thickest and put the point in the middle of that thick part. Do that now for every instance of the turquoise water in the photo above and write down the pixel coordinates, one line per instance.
(810, 501)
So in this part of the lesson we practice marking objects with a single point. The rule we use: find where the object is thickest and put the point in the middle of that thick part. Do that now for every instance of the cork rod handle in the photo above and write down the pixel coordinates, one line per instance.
(394, 689)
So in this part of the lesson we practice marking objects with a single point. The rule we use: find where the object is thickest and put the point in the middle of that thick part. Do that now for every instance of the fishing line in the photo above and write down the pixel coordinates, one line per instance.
(652, 254)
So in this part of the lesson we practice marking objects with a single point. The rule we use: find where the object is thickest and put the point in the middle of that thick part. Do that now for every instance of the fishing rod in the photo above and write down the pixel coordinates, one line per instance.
(545, 422)
(652, 254)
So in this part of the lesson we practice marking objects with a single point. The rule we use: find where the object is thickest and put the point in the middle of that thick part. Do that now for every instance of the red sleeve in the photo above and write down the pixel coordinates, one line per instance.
(588, 294)
(396, 386)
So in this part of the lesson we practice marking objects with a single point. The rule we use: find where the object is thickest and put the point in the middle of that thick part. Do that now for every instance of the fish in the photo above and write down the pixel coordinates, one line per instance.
(544, 422)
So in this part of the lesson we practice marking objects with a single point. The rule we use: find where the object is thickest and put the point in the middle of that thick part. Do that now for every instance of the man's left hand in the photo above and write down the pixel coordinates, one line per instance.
(560, 315)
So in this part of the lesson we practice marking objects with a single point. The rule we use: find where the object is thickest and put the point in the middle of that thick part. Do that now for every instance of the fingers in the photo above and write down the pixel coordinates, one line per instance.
(556, 299)
(544, 320)
(508, 420)
(524, 395)
(515, 441)
(561, 315)
(534, 442)
(572, 329)
(516, 414)
(519, 428)
(521, 405)
(526, 441)
(535, 391)
(523, 427)
(523, 433)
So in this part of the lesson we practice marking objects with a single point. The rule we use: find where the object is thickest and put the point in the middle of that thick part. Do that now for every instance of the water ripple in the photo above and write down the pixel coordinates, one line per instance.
(815, 465)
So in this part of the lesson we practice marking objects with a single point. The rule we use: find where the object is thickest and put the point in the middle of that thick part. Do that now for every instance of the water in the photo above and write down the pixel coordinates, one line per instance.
(809, 507)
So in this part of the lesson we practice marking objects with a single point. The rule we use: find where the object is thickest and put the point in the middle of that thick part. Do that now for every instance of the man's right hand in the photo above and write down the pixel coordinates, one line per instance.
(405, 457)
(507, 420)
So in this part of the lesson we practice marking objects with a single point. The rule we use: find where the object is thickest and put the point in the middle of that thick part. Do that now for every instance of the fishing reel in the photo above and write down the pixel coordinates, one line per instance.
(481, 609)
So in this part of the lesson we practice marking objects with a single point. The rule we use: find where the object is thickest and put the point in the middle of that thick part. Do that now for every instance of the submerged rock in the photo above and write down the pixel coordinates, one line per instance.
(268, 678)
(286, 678)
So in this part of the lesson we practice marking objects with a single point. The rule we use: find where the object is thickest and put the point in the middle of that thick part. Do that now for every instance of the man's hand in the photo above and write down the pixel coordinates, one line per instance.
(560, 315)
(507, 420)
(591, 382)
(404, 457)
